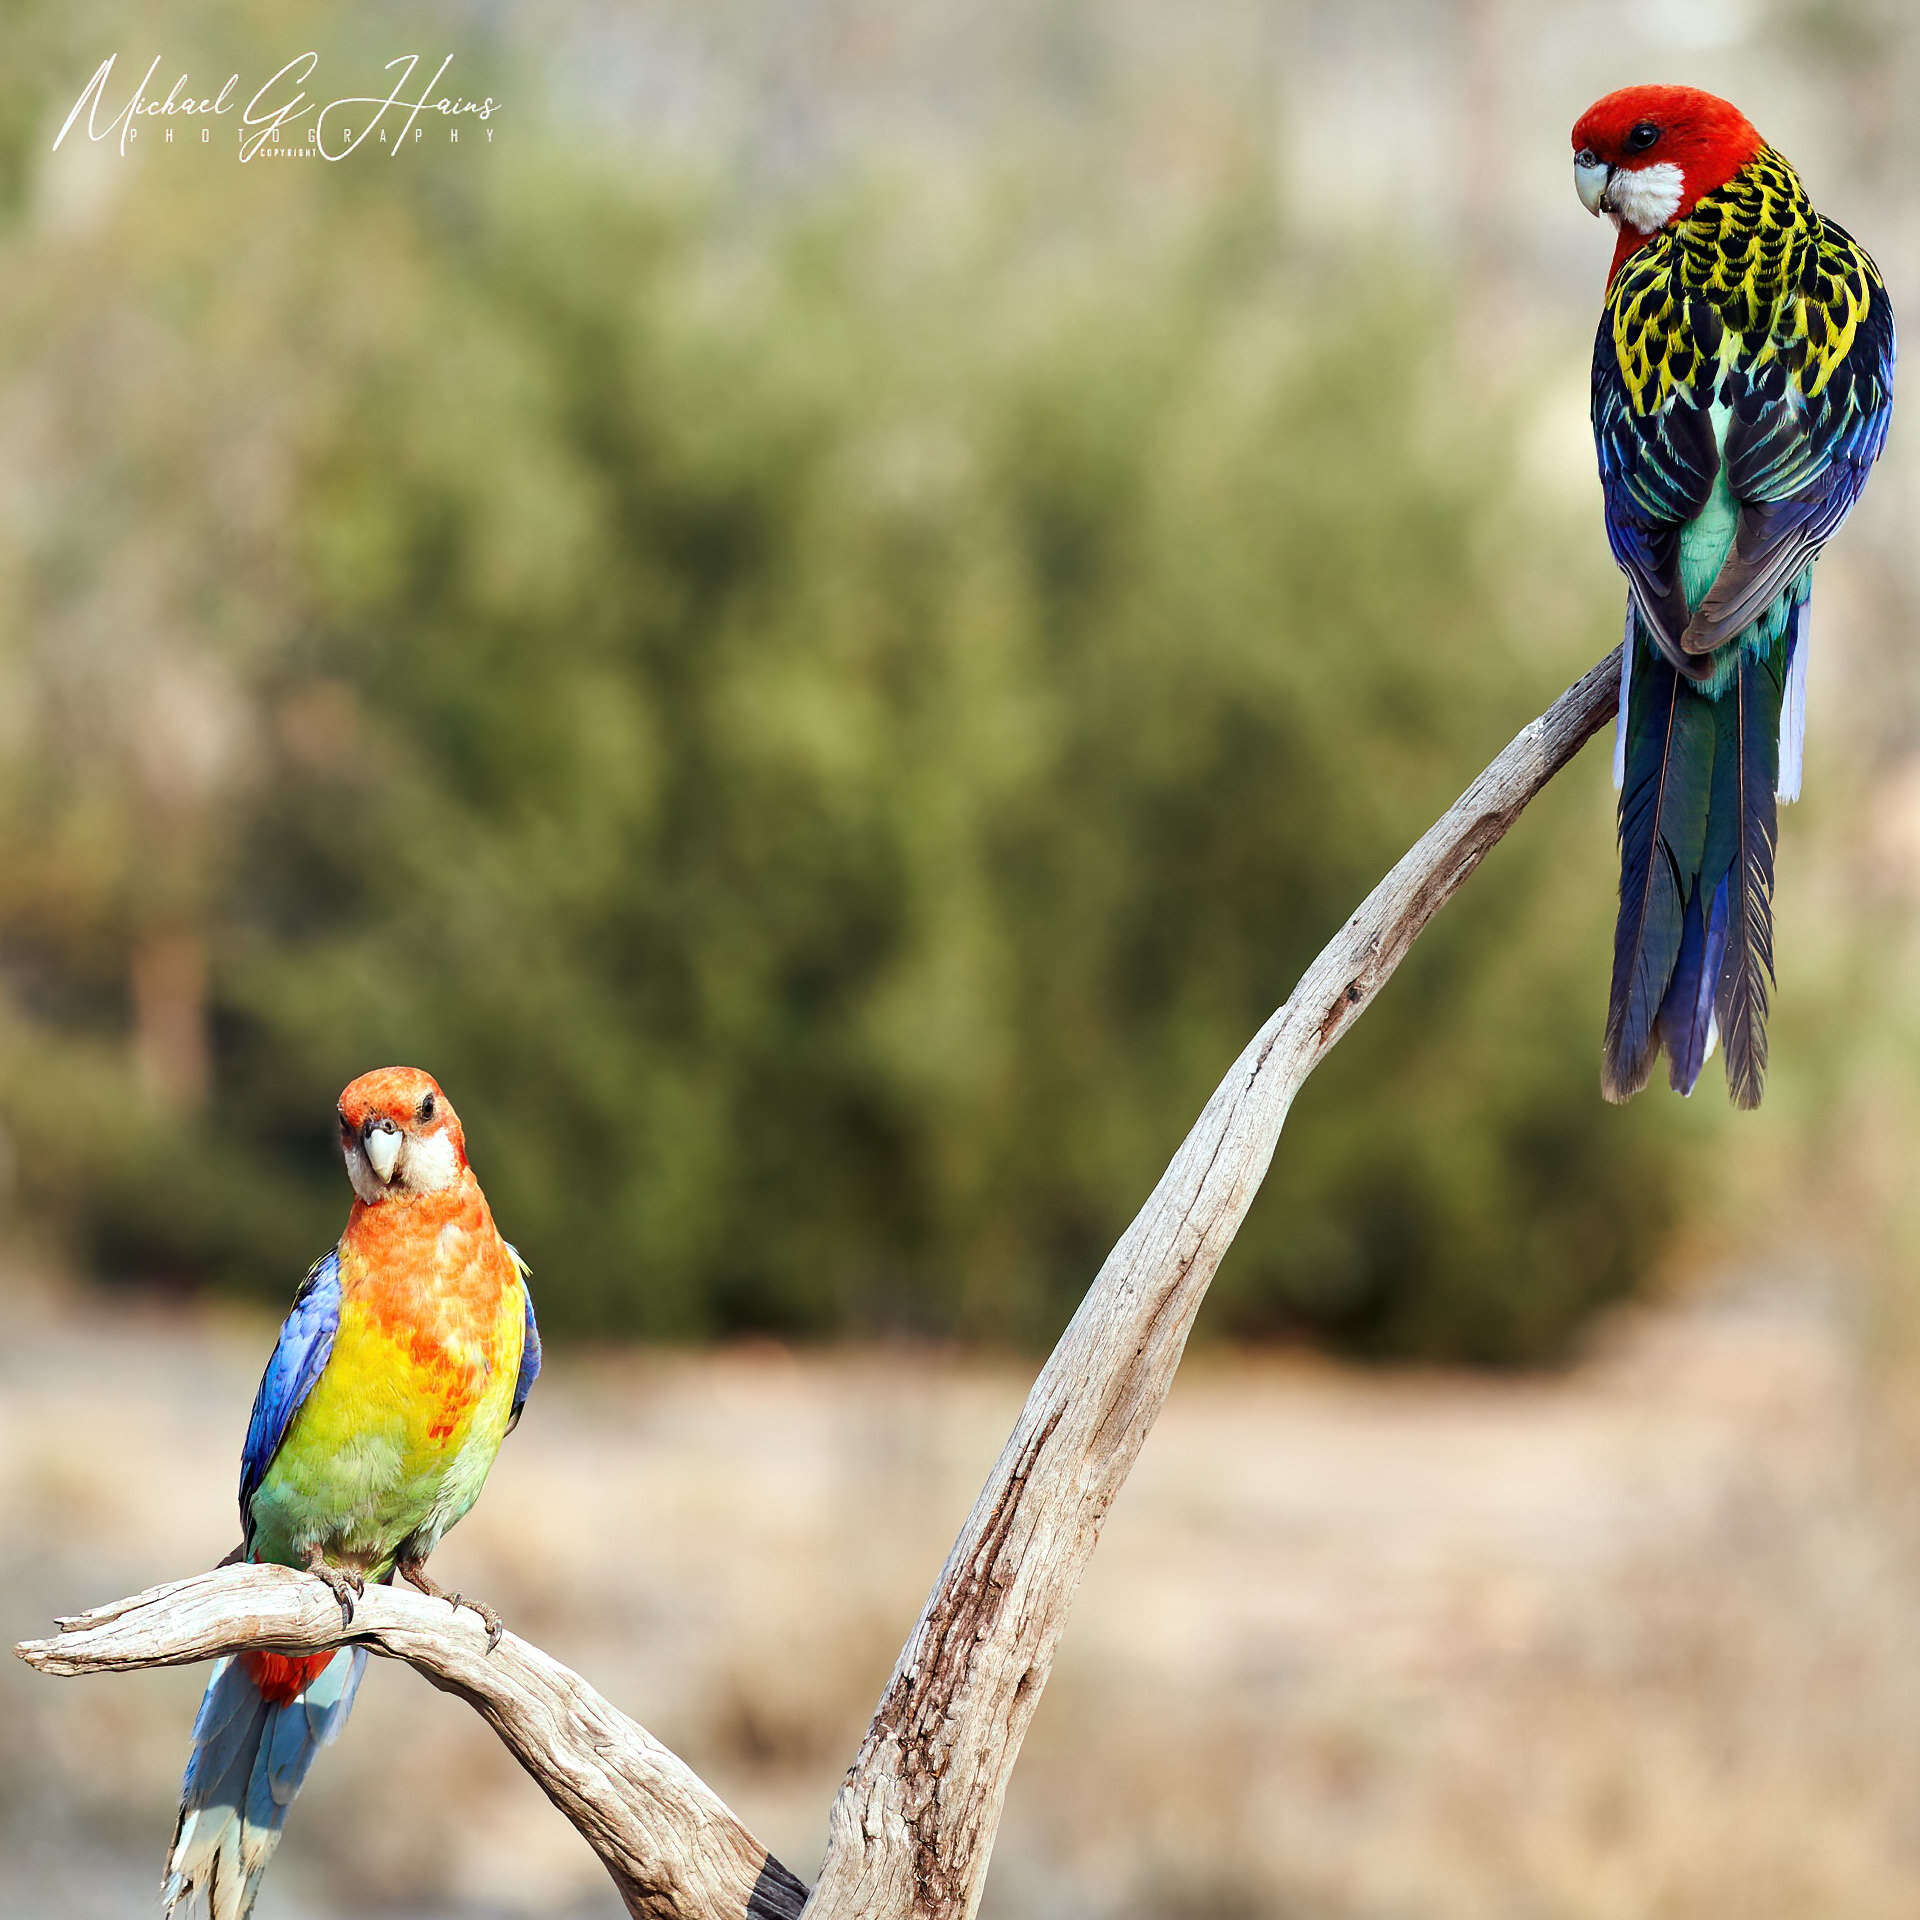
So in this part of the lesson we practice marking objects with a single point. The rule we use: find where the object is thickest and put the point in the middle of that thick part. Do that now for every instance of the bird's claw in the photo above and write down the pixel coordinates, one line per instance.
(495, 1626)
(416, 1575)
(346, 1587)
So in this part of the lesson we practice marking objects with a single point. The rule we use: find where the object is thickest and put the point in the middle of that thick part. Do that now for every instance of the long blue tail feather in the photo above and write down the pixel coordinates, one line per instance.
(1693, 945)
(1746, 976)
(1686, 1015)
(249, 1759)
(1663, 825)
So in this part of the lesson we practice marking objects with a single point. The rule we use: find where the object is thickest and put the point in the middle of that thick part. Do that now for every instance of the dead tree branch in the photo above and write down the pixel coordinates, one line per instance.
(674, 1848)
(911, 1831)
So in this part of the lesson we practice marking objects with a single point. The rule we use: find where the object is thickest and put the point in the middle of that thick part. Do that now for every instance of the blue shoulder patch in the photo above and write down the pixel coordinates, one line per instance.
(306, 1340)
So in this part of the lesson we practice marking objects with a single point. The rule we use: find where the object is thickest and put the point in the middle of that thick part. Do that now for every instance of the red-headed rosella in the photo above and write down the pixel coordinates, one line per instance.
(1742, 385)
(406, 1359)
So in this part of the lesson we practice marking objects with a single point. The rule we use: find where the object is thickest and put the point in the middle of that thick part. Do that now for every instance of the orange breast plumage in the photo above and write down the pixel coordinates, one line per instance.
(392, 1445)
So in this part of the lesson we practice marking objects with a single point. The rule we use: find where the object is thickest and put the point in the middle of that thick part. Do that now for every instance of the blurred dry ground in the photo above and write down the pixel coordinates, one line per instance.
(1638, 1641)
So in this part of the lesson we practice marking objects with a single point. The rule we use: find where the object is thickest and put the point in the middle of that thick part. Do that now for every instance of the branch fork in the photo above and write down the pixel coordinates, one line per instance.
(911, 1830)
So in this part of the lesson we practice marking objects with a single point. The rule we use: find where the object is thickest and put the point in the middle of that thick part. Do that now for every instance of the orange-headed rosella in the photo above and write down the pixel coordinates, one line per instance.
(1742, 385)
(406, 1359)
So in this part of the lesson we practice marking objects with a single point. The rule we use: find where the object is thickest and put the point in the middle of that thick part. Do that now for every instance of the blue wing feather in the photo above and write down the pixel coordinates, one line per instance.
(1656, 472)
(306, 1341)
(529, 1351)
(1797, 463)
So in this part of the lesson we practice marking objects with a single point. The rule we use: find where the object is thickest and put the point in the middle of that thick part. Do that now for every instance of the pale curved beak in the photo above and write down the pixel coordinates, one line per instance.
(383, 1143)
(1591, 178)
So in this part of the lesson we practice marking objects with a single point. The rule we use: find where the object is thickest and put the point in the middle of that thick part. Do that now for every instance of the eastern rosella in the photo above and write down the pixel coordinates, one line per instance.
(1742, 384)
(406, 1359)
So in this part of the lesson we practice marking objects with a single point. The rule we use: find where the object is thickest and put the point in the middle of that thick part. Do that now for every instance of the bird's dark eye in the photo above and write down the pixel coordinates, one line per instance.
(426, 1106)
(1642, 137)
(340, 1115)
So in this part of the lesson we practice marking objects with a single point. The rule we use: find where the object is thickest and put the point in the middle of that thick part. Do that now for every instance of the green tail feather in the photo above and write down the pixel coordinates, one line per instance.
(1664, 803)
(1696, 809)
(1750, 733)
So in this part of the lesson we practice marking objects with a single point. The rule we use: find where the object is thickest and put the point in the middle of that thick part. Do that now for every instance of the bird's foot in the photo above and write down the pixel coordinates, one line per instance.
(415, 1573)
(347, 1586)
(490, 1619)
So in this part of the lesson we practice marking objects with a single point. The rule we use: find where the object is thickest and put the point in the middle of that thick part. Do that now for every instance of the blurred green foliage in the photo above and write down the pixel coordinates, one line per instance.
(825, 722)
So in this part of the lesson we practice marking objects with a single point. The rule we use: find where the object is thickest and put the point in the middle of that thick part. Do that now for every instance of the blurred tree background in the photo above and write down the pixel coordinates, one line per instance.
(824, 698)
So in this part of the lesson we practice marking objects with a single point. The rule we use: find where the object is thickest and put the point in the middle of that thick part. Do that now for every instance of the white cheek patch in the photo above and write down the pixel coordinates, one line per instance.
(1646, 198)
(366, 1183)
(430, 1163)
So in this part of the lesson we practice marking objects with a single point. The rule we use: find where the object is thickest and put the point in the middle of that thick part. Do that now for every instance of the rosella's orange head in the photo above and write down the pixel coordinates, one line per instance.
(1646, 155)
(399, 1134)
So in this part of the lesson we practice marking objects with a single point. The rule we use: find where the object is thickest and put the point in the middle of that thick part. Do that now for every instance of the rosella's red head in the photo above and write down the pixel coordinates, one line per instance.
(399, 1134)
(1645, 155)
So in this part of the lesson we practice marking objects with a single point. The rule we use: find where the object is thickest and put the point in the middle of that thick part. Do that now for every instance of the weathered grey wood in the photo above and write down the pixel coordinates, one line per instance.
(912, 1829)
(674, 1848)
